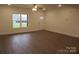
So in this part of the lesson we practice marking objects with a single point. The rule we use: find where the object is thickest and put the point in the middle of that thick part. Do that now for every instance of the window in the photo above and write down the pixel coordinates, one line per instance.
(20, 20)
(23, 20)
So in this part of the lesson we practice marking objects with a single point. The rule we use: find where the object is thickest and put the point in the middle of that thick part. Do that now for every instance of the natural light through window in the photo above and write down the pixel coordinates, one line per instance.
(20, 20)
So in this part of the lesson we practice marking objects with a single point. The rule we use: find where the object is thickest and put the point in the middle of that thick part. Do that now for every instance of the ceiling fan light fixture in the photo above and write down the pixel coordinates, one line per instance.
(35, 6)
(34, 9)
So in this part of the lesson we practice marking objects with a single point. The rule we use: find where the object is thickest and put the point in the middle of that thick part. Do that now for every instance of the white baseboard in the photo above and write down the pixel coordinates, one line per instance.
(8, 33)
(68, 34)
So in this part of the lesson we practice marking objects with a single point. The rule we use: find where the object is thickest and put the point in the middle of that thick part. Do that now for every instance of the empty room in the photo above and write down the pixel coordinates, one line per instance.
(39, 28)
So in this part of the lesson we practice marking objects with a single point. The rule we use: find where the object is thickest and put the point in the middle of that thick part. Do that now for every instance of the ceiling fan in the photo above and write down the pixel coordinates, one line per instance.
(35, 7)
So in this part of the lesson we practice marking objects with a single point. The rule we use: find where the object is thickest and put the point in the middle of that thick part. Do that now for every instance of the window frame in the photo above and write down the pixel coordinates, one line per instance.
(20, 21)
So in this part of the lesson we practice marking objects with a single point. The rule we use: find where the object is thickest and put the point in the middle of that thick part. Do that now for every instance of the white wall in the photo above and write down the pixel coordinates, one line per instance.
(64, 20)
(6, 20)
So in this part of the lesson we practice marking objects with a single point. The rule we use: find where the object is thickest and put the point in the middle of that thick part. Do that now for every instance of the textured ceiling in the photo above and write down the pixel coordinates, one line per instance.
(46, 5)
(41, 5)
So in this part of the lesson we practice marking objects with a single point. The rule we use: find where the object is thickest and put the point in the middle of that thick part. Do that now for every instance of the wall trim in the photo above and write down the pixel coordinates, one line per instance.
(12, 33)
(66, 34)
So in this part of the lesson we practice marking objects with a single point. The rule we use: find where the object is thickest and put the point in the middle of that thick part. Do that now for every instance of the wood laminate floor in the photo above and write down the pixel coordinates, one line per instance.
(39, 42)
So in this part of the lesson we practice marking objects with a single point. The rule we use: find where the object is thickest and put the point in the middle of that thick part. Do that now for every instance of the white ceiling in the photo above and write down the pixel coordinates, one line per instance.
(45, 5)
(41, 5)
(28, 5)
